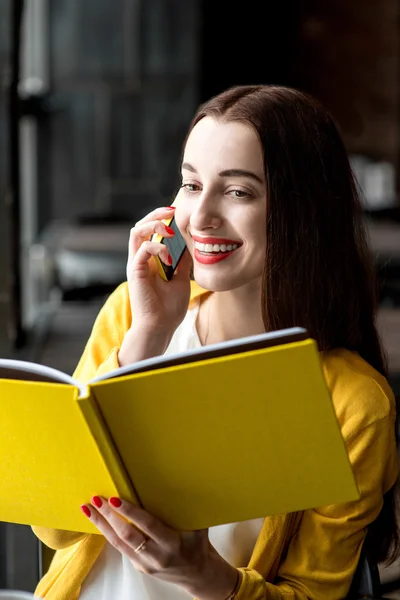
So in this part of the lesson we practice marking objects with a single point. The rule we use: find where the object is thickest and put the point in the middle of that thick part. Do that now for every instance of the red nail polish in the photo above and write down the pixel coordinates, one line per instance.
(170, 230)
(170, 207)
(115, 502)
(86, 511)
(97, 501)
(169, 259)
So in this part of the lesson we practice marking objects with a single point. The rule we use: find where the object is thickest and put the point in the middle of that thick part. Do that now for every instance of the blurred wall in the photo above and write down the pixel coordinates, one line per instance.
(253, 45)
(5, 42)
(124, 87)
(347, 54)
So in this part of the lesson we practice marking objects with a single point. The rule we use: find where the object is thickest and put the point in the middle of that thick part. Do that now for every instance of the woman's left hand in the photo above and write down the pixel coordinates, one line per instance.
(185, 558)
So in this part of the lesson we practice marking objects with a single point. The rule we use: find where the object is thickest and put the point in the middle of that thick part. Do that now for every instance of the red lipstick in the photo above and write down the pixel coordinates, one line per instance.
(208, 258)
(215, 240)
(211, 259)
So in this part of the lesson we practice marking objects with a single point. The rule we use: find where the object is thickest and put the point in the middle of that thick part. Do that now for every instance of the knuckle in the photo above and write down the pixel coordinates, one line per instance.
(128, 534)
(147, 244)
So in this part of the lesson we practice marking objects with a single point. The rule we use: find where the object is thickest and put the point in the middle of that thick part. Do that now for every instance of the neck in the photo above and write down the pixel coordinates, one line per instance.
(232, 314)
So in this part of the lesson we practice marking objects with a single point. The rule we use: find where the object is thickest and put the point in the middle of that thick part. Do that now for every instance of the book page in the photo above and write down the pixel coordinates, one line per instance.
(28, 371)
(254, 342)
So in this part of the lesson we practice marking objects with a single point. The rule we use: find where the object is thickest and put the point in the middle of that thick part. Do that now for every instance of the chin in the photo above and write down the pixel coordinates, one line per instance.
(220, 283)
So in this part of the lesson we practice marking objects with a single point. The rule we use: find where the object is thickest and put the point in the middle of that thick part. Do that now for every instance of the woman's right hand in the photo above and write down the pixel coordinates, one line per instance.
(157, 306)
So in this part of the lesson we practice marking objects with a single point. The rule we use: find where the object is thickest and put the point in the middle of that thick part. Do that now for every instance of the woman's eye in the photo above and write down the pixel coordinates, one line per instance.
(191, 187)
(239, 193)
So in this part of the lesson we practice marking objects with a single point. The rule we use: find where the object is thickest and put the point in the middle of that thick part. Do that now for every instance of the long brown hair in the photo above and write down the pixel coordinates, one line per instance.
(318, 271)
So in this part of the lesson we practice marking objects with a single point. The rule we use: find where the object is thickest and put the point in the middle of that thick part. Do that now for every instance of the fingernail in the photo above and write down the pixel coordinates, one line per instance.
(115, 502)
(170, 207)
(169, 259)
(170, 230)
(97, 501)
(86, 510)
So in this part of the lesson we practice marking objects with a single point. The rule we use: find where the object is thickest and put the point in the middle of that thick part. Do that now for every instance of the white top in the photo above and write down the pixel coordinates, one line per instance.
(114, 576)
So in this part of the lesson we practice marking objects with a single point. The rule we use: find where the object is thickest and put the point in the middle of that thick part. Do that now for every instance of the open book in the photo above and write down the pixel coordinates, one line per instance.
(225, 433)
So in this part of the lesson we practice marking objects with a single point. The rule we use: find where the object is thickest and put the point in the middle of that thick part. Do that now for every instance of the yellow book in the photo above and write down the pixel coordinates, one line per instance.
(225, 433)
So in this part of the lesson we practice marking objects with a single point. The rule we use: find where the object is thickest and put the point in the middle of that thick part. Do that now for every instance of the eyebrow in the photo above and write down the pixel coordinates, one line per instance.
(228, 172)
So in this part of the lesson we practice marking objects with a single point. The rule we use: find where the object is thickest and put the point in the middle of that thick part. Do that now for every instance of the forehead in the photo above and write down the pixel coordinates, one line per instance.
(223, 145)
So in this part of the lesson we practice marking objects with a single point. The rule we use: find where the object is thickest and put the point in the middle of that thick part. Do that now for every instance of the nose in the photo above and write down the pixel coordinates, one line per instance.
(205, 213)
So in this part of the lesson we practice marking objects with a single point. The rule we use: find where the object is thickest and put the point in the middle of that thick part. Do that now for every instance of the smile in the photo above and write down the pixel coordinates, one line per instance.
(216, 255)
(211, 250)
(214, 248)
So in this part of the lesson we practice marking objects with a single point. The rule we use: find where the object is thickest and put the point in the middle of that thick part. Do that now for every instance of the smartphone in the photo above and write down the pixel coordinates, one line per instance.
(176, 247)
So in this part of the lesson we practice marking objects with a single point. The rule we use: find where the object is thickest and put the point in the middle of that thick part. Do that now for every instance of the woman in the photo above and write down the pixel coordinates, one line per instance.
(266, 187)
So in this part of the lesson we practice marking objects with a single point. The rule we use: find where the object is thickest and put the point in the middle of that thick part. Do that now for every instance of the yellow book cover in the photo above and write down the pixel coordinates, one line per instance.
(225, 433)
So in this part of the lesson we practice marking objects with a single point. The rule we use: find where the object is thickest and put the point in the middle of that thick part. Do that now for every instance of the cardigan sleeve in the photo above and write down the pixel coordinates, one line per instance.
(100, 356)
(324, 553)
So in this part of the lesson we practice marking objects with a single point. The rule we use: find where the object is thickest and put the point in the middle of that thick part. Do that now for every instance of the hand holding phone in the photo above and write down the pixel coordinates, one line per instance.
(176, 247)
(157, 309)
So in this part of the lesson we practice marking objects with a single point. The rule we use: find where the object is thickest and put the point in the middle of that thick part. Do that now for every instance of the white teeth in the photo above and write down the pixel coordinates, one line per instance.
(212, 248)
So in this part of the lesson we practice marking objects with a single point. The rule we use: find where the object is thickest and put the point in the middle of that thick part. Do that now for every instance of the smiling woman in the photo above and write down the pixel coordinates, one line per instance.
(269, 211)
(222, 201)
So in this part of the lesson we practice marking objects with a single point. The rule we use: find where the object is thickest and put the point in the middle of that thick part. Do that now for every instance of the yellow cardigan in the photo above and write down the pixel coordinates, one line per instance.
(307, 555)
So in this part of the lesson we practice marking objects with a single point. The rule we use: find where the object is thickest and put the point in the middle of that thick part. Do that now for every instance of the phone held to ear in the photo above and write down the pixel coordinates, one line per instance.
(176, 247)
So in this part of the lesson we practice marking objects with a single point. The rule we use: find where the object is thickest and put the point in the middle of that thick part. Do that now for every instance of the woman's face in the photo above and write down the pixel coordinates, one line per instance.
(221, 206)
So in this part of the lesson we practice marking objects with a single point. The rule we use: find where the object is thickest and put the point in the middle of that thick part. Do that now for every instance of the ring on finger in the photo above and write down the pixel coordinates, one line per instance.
(141, 547)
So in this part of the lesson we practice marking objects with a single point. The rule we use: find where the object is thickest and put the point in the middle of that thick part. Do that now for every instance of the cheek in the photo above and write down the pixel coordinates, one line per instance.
(258, 244)
(256, 232)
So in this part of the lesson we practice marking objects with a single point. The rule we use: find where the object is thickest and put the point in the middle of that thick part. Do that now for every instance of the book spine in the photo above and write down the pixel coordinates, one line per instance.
(107, 449)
